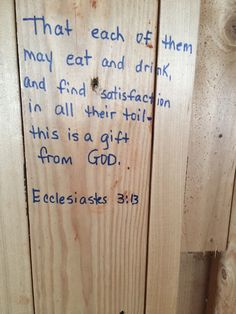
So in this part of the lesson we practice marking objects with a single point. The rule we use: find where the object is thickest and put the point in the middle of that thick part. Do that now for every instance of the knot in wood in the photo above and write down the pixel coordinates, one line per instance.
(224, 273)
(229, 31)
(94, 83)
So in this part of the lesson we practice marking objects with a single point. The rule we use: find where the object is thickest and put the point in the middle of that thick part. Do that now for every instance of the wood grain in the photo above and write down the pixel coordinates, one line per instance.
(193, 283)
(211, 156)
(89, 259)
(180, 20)
(212, 286)
(226, 281)
(15, 271)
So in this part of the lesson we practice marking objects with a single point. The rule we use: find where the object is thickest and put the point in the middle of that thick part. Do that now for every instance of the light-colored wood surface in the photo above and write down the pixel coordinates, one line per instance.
(211, 161)
(91, 259)
(178, 19)
(88, 259)
(225, 301)
(193, 283)
(15, 273)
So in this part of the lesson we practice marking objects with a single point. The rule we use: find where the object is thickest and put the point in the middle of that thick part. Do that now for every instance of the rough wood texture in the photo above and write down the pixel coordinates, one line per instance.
(180, 20)
(15, 273)
(88, 259)
(212, 287)
(225, 301)
(193, 283)
(211, 162)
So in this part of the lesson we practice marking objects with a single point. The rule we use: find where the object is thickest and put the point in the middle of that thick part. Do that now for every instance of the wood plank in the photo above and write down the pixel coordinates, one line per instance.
(89, 259)
(193, 283)
(15, 271)
(211, 162)
(225, 302)
(178, 20)
(212, 287)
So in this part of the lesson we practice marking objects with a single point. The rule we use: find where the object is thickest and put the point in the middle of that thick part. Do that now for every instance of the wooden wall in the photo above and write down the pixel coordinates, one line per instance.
(62, 248)
(211, 156)
(15, 270)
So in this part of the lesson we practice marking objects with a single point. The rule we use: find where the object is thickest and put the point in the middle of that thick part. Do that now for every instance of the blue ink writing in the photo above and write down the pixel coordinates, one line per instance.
(160, 70)
(120, 65)
(39, 57)
(140, 116)
(29, 83)
(170, 44)
(95, 199)
(55, 159)
(54, 198)
(108, 138)
(92, 111)
(105, 35)
(46, 134)
(79, 60)
(144, 38)
(34, 107)
(65, 110)
(41, 26)
(72, 136)
(123, 198)
(94, 158)
(162, 102)
(88, 137)
(132, 95)
(64, 87)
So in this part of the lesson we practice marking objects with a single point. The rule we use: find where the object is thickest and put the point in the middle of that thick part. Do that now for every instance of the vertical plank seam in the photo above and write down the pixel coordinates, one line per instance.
(152, 149)
(231, 208)
(187, 164)
(24, 159)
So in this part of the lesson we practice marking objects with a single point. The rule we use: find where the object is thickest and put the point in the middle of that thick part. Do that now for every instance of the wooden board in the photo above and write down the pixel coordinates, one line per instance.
(225, 302)
(88, 258)
(15, 272)
(211, 160)
(212, 286)
(193, 283)
(178, 23)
